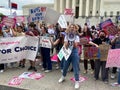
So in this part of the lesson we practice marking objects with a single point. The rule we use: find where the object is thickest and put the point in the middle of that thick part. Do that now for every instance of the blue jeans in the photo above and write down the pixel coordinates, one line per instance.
(74, 58)
(119, 76)
(47, 64)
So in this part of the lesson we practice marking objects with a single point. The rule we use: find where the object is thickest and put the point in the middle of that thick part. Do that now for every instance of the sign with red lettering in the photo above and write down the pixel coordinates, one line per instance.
(8, 21)
(113, 59)
(16, 81)
(45, 42)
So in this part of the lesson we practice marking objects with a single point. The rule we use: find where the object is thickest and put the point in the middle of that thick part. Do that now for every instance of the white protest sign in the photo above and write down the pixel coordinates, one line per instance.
(66, 52)
(69, 14)
(37, 14)
(45, 42)
(51, 16)
(60, 54)
(62, 22)
(13, 49)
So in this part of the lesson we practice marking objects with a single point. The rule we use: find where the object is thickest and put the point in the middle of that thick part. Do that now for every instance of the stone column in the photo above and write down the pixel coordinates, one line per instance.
(94, 7)
(87, 7)
(67, 3)
(62, 6)
(80, 7)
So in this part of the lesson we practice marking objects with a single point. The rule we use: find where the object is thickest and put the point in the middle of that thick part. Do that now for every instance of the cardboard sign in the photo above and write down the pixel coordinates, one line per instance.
(45, 42)
(15, 81)
(113, 59)
(37, 14)
(104, 51)
(91, 52)
(62, 22)
(51, 16)
(8, 21)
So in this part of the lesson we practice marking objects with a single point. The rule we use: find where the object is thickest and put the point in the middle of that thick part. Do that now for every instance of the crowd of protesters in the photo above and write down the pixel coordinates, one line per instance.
(60, 39)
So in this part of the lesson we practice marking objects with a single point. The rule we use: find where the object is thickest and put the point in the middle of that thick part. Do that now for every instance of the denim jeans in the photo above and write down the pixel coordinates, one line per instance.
(119, 76)
(47, 64)
(74, 59)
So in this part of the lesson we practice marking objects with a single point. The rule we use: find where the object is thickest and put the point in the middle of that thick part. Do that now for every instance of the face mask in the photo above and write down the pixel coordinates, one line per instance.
(102, 37)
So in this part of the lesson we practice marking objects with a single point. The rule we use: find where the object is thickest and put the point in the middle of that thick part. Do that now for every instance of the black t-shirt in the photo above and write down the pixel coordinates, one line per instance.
(98, 41)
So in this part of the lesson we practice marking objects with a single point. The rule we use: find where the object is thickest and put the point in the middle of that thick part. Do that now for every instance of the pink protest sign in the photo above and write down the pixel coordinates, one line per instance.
(54, 58)
(8, 21)
(16, 81)
(36, 76)
(20, 19)
(113, 59)
(68, 11)
(81, 79)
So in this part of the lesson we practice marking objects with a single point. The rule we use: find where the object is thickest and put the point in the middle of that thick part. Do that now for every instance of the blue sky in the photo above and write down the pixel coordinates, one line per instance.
(20, 3)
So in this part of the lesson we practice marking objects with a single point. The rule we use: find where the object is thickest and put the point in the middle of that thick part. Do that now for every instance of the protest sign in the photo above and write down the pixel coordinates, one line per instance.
(17, 48)
(8, 21)
(15, 81)
(69, 15)
(62, 22)
(91, 52)
(81, 79)
(60, 54)
(51, 16)
(84, 40)
(45, 42)
(37, 14)
(113, 59)
(20, 19)
(104, 51)
(108, 27)
(66, 52)
(31, 75)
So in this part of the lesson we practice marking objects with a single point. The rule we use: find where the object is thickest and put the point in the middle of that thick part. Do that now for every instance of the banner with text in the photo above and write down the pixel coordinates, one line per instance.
(17, 48)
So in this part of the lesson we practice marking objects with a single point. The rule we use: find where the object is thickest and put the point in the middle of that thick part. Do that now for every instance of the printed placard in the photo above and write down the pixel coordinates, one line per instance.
(60, 54)
(15, 81)
(81, 79)
(8, 21)
(113, 59)
(62, 22)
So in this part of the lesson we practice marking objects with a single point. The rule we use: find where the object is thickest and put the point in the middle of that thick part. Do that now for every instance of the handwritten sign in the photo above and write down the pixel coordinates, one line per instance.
(62, 22)
(45, 42)
(113, 59)
(91, 52)
(104, 51)
(37, 14)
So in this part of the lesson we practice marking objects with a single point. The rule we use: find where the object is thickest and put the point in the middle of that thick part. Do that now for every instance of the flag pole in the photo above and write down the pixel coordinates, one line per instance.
(9, 2)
